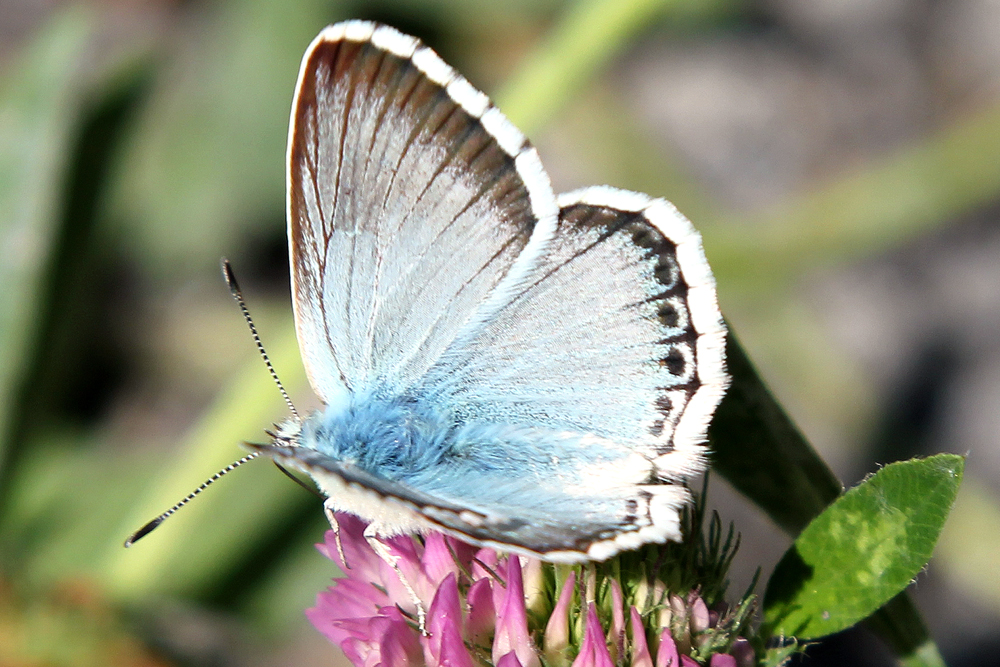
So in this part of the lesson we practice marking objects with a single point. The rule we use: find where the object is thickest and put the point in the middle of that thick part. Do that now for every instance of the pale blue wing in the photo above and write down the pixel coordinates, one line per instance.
(415, 209)
(541, 387)
(566, 423)
(619, 337)
(596, 385)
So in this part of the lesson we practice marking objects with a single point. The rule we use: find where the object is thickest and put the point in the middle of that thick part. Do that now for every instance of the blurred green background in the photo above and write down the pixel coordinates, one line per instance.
(841, 159)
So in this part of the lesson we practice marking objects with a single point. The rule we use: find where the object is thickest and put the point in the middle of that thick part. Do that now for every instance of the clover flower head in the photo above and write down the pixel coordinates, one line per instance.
(483, 608)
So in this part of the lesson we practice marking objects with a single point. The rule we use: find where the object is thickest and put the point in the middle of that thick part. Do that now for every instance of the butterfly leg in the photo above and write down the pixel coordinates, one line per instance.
(383, 552)
(335, 527)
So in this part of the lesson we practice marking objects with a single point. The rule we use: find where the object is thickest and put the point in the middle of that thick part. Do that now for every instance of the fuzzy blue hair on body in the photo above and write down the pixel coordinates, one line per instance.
(421, 445)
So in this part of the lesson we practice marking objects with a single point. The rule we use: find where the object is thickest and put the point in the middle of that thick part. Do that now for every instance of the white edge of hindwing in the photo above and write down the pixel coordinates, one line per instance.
(476, 104)
(689, 454)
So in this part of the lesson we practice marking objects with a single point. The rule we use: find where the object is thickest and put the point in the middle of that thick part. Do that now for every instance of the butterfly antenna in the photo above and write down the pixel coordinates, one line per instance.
(154, 524)
(234, 287)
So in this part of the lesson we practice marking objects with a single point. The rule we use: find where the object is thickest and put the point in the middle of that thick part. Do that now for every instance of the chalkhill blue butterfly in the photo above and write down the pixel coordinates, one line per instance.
(519, 370)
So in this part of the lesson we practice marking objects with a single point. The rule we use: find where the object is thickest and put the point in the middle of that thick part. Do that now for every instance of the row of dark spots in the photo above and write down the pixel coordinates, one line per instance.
(664, 406)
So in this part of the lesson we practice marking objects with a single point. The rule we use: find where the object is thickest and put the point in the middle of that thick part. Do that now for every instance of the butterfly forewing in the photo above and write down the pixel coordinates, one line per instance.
(405, 212)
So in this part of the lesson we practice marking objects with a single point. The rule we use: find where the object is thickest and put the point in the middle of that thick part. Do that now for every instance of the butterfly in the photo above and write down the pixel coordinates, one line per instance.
(517, 370)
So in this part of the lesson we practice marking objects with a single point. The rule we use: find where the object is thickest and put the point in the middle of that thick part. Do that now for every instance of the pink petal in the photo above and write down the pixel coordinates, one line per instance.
(323, 615)
(407, 552)
(464, 552)
(437, 560)
(348, 598)
(328, 547)
(386, 640)
(743, 652)
(399, 650)
(453, 651)
(700, 619)
(358, 637)
(512, 621)
(666, 655)
(351, 647)
(509, 660)
(444, 611)
(556, 637)
(722, 660)
(443, 644)
(488, 558)
(586, 658)
(485, 558)
(362, 563)
(593, 650)
(481, 621)
(405, 548)
(640, 650)
(399, 646)
(688, 661)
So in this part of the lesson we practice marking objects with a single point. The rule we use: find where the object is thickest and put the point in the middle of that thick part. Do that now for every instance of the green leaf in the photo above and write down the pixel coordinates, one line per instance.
(759, 450)
(899, 625)
(40, 106)
(864, 549)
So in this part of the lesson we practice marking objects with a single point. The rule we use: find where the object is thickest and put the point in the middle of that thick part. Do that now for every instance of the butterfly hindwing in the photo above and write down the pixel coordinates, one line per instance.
(619, 336)
(584, 404)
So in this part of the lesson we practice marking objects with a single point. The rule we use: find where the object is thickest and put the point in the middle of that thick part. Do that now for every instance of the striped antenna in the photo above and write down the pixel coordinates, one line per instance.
(154, 524)
(234, 287)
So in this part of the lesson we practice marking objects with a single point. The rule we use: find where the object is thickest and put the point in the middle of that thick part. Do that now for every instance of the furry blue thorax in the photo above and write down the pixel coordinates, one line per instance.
(421, 444)
(386, 437)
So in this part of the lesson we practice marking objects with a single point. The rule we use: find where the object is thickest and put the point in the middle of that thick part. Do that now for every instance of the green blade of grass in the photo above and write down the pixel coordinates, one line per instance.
(583, 42)
(40, 106)
(890, 200)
